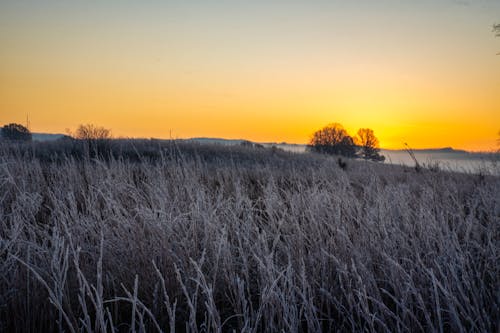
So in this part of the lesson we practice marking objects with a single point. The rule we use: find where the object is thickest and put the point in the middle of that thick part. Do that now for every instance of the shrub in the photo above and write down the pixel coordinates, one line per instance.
(16, 132)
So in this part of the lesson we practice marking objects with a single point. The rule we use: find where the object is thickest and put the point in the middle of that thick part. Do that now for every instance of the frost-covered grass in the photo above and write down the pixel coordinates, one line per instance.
(210, 239)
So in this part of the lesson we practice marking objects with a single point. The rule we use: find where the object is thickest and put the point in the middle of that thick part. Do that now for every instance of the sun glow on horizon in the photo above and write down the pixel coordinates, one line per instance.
(266, 71)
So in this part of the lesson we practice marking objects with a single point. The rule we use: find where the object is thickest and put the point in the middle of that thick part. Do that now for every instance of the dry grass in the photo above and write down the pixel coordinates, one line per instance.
(243, 239)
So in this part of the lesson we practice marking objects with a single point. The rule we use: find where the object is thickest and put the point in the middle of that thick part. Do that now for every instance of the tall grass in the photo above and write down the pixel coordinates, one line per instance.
(214, 239)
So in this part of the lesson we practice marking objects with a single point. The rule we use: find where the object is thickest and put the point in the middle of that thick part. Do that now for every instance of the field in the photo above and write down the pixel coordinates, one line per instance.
(150, 236)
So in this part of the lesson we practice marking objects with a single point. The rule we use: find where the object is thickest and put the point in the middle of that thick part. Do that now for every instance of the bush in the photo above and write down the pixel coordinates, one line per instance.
(16, 132)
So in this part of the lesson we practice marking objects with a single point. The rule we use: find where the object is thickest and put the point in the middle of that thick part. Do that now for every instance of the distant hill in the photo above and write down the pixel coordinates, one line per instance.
(445, 150)
(284, 145)
(46, 136)
(220, 141)
(298, 148)
(433, 150)
(42, 136)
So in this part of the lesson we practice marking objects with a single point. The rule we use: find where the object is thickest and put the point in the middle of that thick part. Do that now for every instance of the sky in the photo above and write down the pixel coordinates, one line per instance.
(421, 72)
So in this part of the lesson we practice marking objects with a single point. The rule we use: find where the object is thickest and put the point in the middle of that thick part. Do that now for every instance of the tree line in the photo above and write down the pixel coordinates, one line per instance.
(18, 132)
(333, 139)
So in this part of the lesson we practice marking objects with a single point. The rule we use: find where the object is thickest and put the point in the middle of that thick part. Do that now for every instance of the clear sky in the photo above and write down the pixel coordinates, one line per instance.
(423, 72)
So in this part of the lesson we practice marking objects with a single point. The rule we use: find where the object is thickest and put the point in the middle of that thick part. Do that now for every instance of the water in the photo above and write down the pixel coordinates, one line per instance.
(448, 160)
(445, 159)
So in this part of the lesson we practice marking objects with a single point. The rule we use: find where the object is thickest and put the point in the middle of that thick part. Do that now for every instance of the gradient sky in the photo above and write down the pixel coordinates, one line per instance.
(423, 72)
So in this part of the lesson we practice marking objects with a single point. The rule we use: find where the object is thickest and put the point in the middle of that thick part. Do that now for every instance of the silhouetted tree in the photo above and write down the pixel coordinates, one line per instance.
(333, 139)
(92, 132)
(368, 145)
(96, 139)
(16, 132)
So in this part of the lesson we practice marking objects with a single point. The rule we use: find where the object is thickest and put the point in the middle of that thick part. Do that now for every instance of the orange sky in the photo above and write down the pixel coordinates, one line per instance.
(424, 73)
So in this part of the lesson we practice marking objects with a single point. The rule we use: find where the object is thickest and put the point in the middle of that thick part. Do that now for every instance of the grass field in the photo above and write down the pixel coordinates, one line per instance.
(152, 236)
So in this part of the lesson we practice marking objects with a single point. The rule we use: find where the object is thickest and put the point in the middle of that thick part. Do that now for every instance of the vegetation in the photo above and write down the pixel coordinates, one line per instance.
(369, 148)
(96, 139)
(333, 139)
(92, 132)
(15, 132)
(172, 236)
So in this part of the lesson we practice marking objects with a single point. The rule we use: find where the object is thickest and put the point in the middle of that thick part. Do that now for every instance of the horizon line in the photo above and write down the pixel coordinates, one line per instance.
(278, 143)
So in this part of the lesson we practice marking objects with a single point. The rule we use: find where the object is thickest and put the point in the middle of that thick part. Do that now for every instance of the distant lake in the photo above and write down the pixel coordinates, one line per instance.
(446, 159)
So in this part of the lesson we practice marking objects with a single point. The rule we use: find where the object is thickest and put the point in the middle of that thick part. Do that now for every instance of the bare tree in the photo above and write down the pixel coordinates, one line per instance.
(368, 145)
(96, 139)
(92, 132)
(333, 139)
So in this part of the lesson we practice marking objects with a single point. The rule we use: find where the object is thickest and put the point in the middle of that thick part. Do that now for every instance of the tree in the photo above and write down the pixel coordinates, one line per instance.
(368, 144)
(333, 139)
(16, 132)
(92, 132)
(96, 140)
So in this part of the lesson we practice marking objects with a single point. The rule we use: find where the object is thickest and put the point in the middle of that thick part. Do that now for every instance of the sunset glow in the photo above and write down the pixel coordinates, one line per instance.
(422, 72)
